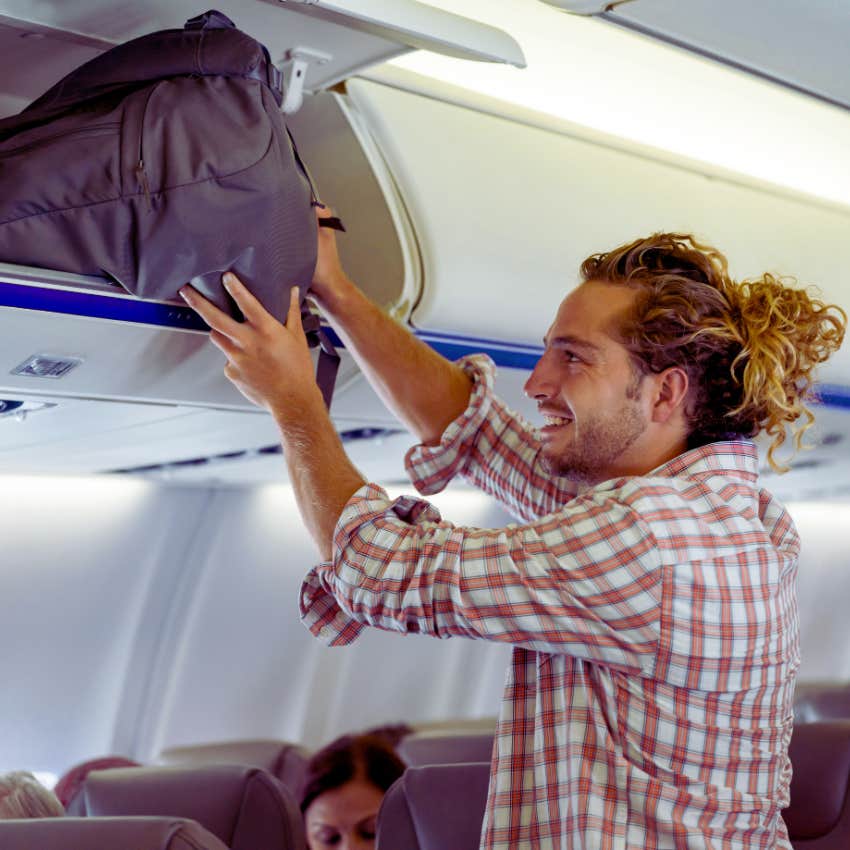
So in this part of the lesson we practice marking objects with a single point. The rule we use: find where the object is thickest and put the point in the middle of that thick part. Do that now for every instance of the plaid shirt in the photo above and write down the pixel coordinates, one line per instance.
(654, 625)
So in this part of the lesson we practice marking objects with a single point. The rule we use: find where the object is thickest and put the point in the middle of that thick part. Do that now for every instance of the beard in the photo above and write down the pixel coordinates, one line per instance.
(594, 447)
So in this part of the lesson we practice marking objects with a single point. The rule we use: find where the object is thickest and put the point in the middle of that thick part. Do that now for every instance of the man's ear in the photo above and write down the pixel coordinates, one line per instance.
(671, 393)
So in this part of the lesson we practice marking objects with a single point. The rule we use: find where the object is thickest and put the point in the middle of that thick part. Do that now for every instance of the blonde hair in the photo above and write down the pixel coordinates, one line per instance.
(23, 796)
(749, 348)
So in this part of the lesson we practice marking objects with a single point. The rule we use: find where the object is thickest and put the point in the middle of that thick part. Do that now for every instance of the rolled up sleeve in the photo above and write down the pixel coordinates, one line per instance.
(585, 582)
(431, 468)
(493, 448)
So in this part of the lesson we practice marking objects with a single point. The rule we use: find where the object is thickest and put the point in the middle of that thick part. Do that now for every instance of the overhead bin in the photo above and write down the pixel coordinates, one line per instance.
(799, 45)
(72, 344)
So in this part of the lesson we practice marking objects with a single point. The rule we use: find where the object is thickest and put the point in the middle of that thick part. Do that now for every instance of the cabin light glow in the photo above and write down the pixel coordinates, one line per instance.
(598, 76)
(275, 503)
(820, 518)
(108, 492)
(46, 778)
(458, 505)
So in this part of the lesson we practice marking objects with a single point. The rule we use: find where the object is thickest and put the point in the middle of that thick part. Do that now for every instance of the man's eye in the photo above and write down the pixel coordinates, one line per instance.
(570, 356)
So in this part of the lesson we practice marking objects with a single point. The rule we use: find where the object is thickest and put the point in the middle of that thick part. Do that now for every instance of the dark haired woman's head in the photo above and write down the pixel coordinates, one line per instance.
(342, 791)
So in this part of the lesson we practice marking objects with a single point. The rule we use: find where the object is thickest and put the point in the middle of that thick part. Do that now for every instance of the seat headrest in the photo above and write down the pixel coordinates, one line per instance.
(106, 834)
(428, 748)
(434, 807)
(820, 758)
(243, 806)
(815, 701)
(283, 760)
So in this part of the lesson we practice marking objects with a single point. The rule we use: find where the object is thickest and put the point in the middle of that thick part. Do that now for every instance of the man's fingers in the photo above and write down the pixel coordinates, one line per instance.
(251, 308)
(225, 344)
(217, 319)
(293, 316)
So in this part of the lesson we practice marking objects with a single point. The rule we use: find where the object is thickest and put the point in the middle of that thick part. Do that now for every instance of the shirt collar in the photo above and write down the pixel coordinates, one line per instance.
(734, 458)
(737, 458)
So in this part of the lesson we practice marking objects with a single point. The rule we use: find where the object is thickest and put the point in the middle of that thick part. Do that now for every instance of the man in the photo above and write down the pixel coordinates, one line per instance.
(649, 594)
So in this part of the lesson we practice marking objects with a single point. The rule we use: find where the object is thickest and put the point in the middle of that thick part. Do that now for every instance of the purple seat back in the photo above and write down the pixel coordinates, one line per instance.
(106, 834)
(245, 807)
(435, 807)
(819, 815)
(285, 761)
(821, 701)
(426, 748)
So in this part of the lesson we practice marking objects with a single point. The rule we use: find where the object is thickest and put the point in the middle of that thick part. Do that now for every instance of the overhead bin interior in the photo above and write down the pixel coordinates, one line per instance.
(800, 45)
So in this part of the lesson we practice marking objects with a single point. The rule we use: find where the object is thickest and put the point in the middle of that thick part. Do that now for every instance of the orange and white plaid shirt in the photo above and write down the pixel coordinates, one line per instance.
(653, 620)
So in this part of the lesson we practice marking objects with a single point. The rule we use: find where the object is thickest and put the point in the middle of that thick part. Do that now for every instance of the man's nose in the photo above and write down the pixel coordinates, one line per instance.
(539, 386)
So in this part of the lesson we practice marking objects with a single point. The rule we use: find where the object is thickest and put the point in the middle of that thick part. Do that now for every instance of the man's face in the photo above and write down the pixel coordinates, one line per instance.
(587, 390)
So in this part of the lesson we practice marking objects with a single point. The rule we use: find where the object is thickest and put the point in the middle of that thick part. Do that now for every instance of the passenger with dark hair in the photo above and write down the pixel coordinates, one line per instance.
(392, 733)
(649, 591)
(343, 788)
(23, 796)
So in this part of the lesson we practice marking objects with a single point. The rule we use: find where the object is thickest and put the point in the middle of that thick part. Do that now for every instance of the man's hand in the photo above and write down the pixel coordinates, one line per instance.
(329, 278)
(269, 363)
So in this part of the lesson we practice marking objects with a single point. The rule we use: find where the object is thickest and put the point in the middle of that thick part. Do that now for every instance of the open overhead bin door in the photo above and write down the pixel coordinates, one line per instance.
(799, 45)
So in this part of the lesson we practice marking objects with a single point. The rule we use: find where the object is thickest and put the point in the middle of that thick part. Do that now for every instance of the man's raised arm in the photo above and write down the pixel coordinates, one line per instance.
(421, 387)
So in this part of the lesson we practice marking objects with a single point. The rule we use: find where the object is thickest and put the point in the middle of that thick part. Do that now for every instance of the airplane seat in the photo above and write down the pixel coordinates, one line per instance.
(245, 807)
(70, 833)
(423, 748)
(281, 759)
(434, 807)
(815, 701)
(819, 815)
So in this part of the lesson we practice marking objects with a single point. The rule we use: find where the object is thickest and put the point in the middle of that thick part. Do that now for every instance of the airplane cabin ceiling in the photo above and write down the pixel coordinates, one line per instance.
(800, 45)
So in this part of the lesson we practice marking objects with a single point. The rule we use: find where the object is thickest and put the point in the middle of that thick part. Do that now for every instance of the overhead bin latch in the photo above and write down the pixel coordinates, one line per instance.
(294, 67)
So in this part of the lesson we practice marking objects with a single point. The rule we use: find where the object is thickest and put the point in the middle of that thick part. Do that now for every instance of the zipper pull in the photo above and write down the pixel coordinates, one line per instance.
(142, 177)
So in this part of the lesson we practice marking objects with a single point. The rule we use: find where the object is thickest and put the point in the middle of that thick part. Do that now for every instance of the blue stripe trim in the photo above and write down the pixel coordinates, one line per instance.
(833, 395)
(120, 308)
(126, 308)
(506, 354)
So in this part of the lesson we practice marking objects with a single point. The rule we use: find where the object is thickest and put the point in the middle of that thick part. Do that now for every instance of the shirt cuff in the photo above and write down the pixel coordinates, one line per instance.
(321, 613)
(331, 581)
(432, 467)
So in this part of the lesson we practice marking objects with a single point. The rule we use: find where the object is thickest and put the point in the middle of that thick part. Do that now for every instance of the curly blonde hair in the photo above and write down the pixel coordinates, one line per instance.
(749, 348)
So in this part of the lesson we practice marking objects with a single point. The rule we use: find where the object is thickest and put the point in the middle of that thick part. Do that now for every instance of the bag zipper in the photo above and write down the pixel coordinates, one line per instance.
(141, 174)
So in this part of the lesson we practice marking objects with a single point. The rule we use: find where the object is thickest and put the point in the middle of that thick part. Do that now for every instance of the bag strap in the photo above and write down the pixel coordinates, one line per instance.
(328, 365)
(334, 222)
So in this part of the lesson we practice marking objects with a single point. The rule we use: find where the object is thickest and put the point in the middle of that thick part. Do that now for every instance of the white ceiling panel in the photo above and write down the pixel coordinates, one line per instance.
(800, 45)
